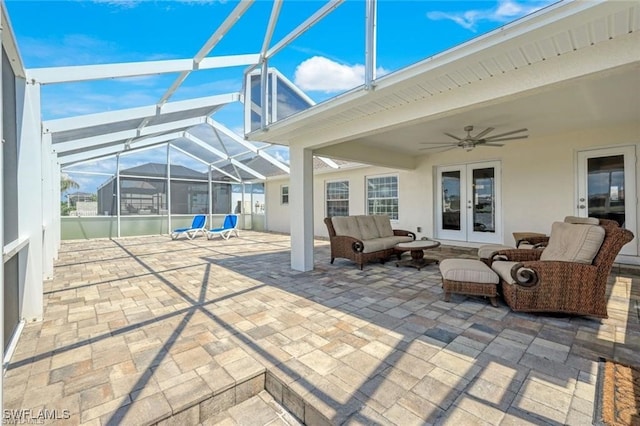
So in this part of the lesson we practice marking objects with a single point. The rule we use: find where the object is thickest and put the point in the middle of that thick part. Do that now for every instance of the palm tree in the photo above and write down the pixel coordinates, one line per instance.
(66, 183)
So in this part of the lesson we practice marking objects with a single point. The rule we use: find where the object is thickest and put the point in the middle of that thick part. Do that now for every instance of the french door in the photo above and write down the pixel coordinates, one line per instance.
(607, 188)
(468, 206)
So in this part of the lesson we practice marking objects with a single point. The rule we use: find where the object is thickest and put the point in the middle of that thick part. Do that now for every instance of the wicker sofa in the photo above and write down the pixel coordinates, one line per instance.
(364, 238)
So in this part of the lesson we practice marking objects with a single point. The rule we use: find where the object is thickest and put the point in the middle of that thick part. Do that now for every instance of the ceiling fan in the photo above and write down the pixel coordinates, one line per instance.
(469, 142)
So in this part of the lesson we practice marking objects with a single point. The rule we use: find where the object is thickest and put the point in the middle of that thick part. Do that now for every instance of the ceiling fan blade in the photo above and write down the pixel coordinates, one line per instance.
(507, 139)
(506, 134)
(436, 143)
(453, 136)
(492, 144)
(437, 147)
(484, 132)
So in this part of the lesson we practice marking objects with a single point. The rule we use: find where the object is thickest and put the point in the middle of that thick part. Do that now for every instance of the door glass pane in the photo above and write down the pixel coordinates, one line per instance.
(605, 188)
(451, 200)
(484, 190)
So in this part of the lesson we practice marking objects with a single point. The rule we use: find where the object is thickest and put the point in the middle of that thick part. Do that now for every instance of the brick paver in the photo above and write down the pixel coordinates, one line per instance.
(139, 329)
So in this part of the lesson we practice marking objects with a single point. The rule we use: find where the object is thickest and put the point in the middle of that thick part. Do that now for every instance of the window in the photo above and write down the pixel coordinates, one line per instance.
(284, 194)
(382, 196)
(337, 198)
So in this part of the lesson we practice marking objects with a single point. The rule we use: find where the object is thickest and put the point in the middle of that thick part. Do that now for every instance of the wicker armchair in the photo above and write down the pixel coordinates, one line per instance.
(559, 286)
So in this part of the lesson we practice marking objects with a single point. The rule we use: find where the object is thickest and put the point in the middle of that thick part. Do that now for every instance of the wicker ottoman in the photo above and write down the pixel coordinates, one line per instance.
(468, 276)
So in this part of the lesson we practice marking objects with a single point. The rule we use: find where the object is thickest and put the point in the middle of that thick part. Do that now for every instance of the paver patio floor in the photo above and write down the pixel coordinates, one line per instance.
(136, 330)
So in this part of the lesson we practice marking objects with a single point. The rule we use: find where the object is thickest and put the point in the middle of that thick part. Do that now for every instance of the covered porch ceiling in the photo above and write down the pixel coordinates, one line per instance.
(575, 65)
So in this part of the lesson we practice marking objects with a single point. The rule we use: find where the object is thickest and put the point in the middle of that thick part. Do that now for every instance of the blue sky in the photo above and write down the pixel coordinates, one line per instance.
(325, 61)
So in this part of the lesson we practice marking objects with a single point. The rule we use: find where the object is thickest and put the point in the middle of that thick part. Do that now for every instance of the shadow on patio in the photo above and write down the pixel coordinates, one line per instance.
(139, 329)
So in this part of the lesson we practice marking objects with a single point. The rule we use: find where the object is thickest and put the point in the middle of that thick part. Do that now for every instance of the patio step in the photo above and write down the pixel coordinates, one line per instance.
(262, 399)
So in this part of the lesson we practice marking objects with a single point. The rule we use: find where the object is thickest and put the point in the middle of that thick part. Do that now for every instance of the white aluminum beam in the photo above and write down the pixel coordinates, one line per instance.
(118, 137)
(67, 160)
(188, 154)
(198, 60)
(233, 17)
(9, 43)
(206, 146)
(79, 122)
(219, 127)
(370, 44)
(53, 75)
(300, 29)
(273, 20)
(247, 169)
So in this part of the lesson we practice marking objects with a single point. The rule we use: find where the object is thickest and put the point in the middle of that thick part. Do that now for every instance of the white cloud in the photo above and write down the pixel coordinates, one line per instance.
(324, 75)
(505, 11)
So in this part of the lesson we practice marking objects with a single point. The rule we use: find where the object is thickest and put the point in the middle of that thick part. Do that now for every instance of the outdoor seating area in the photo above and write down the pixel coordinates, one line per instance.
(144, 330)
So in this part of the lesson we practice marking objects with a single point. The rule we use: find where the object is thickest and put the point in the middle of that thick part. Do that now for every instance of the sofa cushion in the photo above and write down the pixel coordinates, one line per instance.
(582, 220)
(384, 243)
(467, 270)
(368, 228)
(570, 242)
(503, 269)
(383, 223)
(347, 226)
(487, 250)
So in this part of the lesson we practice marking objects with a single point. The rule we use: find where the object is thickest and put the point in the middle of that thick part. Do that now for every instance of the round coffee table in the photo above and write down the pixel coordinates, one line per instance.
(417, 249)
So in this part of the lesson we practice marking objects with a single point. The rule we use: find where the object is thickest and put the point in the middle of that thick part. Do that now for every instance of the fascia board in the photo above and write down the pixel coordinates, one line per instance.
(555, 14)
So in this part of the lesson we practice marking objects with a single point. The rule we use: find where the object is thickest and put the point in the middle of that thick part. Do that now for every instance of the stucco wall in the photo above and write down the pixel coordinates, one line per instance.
(538, 182)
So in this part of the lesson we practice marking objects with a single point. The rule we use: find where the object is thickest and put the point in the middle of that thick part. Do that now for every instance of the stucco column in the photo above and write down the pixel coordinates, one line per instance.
(301, 207)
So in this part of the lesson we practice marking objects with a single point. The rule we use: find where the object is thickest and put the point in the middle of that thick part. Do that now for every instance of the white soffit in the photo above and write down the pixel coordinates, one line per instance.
(558, 30)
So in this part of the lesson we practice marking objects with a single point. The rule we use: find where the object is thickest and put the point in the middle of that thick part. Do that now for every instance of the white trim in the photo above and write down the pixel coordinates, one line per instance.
(13, 248)
(11, 347)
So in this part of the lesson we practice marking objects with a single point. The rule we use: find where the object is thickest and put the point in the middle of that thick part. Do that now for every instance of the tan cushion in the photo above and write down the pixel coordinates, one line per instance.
(346, 225)
(582, 220)
(383, 223)
(467, 270)
(503, 268)
(569, 242)
(383, 243)
(368, 228)
(488, 249)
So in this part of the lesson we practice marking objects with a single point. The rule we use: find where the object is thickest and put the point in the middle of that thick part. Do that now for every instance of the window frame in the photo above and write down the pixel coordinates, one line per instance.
(397, 197)
(326, 195)
(282, 195)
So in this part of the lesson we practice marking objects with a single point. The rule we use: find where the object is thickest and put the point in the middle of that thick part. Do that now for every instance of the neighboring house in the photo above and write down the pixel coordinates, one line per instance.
(570, 76)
